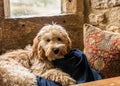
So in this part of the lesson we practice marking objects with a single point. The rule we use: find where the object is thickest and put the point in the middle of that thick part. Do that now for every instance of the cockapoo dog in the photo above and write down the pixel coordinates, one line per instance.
(20, 67)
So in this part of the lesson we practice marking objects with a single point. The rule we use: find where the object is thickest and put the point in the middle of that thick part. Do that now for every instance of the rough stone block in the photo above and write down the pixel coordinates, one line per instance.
(95, 19)
(114, 27)
(114, 15)
(102, 4)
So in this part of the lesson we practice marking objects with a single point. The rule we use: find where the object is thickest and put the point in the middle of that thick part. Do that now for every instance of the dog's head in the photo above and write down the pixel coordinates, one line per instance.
(52, 42)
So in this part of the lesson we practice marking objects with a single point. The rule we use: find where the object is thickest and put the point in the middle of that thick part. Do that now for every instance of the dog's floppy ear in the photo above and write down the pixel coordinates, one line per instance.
(69, 45)
(37, 50)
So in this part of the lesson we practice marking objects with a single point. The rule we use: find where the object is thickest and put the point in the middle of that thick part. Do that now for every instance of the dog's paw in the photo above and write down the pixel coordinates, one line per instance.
(59, 77)
(67, 80)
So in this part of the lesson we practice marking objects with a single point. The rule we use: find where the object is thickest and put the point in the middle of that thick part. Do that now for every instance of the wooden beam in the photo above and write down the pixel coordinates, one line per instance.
(6, 8)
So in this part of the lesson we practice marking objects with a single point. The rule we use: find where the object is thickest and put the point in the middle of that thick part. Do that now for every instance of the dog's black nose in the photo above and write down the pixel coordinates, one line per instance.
(56, 50)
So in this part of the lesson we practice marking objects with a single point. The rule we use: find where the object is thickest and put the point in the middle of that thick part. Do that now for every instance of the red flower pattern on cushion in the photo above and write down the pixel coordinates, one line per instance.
(103, 50)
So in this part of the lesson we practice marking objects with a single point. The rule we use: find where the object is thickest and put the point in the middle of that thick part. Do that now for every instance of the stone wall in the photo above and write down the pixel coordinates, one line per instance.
(105, 14)
(17, 33)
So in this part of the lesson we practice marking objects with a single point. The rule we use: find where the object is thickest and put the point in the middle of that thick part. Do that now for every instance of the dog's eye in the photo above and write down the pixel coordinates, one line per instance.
(48, 40)
(59, 39)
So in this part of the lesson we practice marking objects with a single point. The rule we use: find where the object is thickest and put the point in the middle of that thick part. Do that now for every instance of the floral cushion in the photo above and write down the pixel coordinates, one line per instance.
(103, 50)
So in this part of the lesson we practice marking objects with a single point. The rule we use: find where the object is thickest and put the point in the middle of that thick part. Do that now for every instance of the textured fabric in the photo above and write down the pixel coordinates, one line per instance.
(75, 64)
(103, 50)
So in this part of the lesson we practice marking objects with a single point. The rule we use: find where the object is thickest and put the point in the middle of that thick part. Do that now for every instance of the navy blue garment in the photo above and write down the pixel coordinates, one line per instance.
(76, 65)
(45, 82)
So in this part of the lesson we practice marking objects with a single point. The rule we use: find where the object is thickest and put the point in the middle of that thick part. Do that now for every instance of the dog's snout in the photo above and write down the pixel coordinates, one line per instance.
(56, 50)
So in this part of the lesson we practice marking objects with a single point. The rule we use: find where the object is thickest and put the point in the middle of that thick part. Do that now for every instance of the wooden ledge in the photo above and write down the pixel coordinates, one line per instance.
(115, 81)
